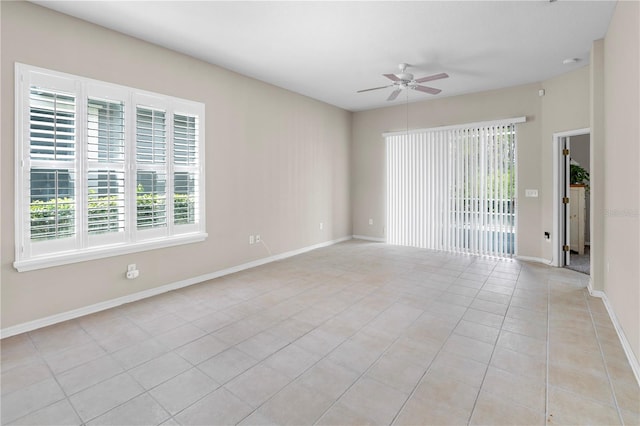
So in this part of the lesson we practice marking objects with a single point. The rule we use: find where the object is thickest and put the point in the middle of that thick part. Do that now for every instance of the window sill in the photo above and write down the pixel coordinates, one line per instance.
(66, 258)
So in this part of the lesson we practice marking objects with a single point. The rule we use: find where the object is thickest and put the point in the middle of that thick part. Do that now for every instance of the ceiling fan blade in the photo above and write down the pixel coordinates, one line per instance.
(391, 77)
(427, 89)
(374, 88)
(432, 77)
(394, 94)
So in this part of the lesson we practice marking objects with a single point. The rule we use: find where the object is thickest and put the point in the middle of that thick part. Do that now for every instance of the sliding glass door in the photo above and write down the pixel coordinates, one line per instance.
(453, 189)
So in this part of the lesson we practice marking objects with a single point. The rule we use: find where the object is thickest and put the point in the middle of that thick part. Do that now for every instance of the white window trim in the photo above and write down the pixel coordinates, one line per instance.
(25, 259)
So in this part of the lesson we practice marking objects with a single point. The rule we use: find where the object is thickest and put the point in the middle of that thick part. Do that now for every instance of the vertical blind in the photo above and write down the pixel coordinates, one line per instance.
(453, 188)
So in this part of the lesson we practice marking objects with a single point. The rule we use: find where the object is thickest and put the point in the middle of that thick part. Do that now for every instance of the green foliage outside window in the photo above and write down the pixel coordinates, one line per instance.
(54, 218)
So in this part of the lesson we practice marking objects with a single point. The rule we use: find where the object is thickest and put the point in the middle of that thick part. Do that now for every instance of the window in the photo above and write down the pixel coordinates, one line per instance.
(103, 169)
(453, 188)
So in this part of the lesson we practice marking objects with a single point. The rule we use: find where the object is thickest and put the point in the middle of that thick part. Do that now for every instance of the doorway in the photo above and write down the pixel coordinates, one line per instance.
(572, 221)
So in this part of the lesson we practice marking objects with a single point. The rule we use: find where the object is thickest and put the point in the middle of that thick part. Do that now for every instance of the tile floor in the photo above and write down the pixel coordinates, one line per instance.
(356, 333)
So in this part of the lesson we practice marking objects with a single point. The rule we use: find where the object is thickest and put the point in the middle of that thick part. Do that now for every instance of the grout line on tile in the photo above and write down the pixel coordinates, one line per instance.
(604, 360)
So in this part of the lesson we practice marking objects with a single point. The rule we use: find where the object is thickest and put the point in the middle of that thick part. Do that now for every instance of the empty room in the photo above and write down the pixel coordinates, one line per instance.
(331, 213)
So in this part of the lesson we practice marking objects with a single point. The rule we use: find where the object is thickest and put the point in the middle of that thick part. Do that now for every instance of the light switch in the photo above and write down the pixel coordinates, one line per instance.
(531, 193)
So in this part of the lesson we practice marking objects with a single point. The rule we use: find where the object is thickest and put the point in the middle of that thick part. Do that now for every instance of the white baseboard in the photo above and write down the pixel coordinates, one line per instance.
(367, 238)
(534, 259)
(92, 309)
(633, 360)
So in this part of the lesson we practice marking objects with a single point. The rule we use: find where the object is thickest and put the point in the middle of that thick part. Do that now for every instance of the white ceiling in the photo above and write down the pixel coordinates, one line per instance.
(329, 50)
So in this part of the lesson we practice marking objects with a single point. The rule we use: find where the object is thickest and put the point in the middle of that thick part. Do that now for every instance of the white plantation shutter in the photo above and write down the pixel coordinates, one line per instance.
(106, 168)
(186, 177)
(453, 188)
(151, 159)
(103, 169)
(52, 139)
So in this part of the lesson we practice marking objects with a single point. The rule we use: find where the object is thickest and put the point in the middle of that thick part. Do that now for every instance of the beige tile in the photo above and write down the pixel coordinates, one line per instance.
(464, 370)
(627, 395)
(257, 419)
(420, 352)
(213, 321)
(202, 349)
(524, 344)
(421, 412)
(104, 396)
(29, 399)
(319, 341)
(257, 384)
(491, 307)
(630, 417)
(128, 337)
(162, 324)
(340, 415)
(438, 388)
(158, 370)
(491, 409)
(568, 408)
(484, 318)
(184, 389)
(180, 336)
(519, 363)
(520, 389)
(262, 344)
(88, 374)
(73, 357)
(220, 407)
(141, 410)
(374, 400)
(430, 328)
(468, 348)
(238, 332)
(59, 337)
(296, 404)
(292, 361)
(329, 378)
(132, 356)
(227, 365)
(59, 413)
(528, 328)
(24, 376)
(493, 294)
(16, 351)
(396, 373)
(582, 382)
(477, 331)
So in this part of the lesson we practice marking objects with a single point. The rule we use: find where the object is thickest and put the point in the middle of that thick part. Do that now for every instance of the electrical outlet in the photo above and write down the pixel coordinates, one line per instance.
(257, 238)
(533, 193)
(251, 239)
(321, 226)
(131, 267)
(370, 221)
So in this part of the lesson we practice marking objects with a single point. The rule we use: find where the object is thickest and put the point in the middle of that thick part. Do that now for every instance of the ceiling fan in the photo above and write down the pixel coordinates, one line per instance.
(405, 80)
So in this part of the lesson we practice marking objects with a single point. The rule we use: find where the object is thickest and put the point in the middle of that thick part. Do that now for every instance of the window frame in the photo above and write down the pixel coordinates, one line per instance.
(83, 246)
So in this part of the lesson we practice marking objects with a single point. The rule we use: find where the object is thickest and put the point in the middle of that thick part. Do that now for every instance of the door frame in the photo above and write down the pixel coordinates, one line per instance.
(558, 189)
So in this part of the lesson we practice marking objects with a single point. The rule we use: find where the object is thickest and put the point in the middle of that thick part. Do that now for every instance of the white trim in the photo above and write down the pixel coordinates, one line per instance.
(631, 357)
(101, 306)
(368, 238)
(533, 259)
(503, 122)
(102, 252)
(555, 234)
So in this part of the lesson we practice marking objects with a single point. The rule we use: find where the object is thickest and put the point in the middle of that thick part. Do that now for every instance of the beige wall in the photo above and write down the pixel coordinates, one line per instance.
(565, 106)
(621, 169)
(277, 163)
